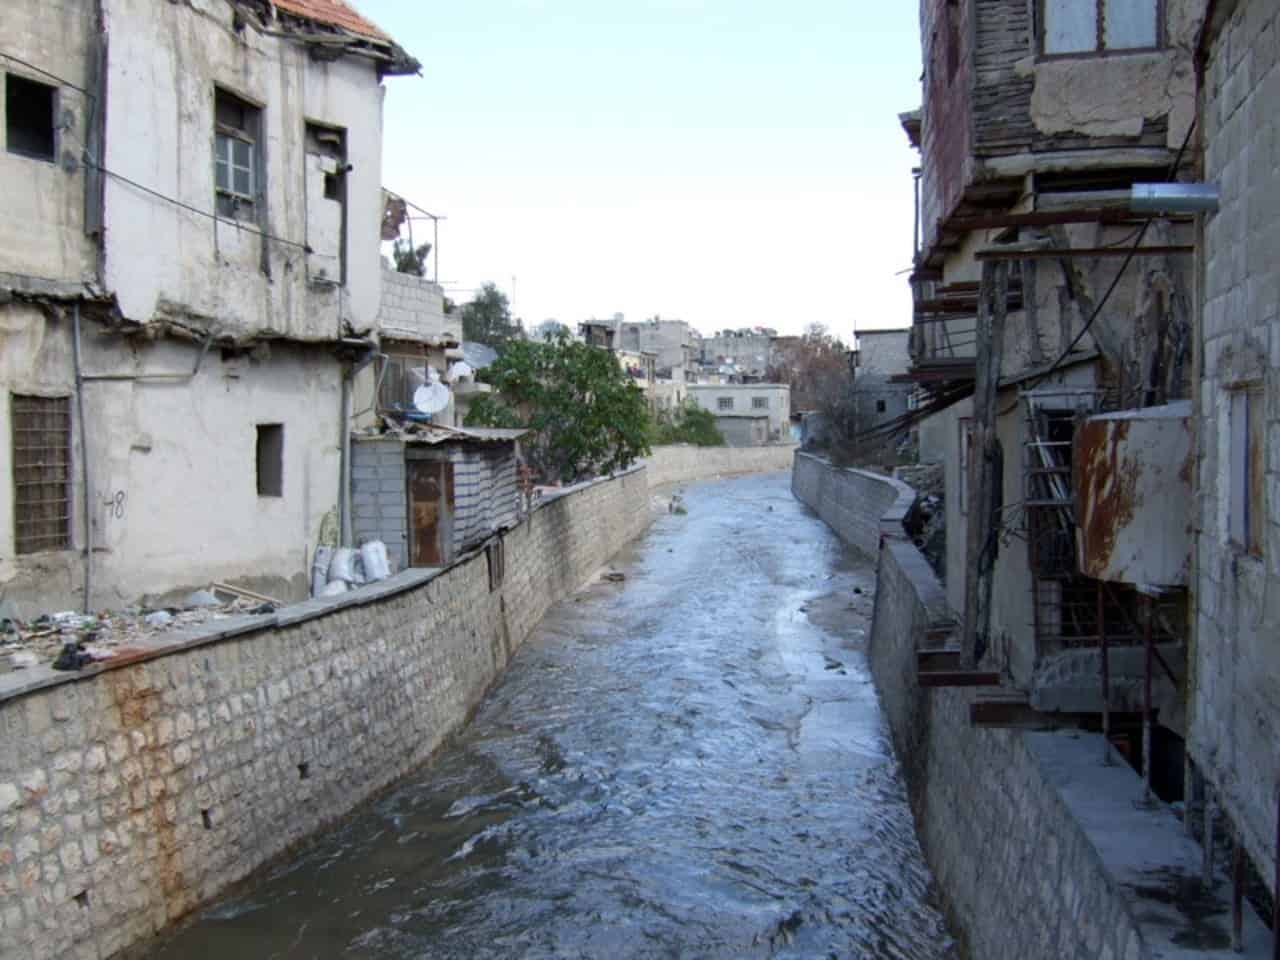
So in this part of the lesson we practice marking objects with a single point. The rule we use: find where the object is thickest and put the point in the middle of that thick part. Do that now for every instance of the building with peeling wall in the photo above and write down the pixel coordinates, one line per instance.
(204, 209)
(1041, 300)
(1235, 693)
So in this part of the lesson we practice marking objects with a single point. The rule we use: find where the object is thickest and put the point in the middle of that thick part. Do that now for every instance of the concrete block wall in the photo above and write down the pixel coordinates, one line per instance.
(1235, 662)
(379, 508)
(413, 308)
(860, 506)
(1019, 878)
(131, 795)
(684, 463)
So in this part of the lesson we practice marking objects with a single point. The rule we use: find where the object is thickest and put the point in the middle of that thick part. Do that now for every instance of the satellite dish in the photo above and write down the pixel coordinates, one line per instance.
(432, 398)
(460, 371)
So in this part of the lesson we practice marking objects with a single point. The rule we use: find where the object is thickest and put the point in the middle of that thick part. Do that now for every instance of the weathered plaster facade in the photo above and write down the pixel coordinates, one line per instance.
(165, 63)
(1235, 720)
(753, 399)
(203, 329)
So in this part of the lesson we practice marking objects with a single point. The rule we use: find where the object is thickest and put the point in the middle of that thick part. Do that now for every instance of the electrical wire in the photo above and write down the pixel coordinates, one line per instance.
(196, 210)
(45, 73)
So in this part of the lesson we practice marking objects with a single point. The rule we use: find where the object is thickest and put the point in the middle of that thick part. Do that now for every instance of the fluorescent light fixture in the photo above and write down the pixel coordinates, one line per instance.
(1174, 198)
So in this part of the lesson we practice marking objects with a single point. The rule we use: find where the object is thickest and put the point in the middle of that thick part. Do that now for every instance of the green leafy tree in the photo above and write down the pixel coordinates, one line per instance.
(689, 423)
(410, 260)
(586, 416)
(487, 319)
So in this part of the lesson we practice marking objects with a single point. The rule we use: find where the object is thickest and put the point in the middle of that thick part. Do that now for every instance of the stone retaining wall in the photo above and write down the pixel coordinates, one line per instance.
(860, 506)
(131, 795)
(1018, 876)
(684, 463)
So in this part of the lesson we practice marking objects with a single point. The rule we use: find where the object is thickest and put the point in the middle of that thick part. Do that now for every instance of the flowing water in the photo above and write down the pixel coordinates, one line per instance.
(689, 763)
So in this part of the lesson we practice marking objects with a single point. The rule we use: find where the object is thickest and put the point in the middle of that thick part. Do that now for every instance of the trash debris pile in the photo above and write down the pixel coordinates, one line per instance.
(72, 641)
(335, 570)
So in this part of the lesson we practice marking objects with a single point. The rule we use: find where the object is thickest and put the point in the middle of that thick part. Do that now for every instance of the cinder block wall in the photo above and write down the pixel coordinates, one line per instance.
(129, 797)
(378, 504)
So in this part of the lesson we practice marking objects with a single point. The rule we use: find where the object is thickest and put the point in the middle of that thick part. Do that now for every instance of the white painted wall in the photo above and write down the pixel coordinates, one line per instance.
(778, 409)
(183, 454)
(165, 61)
(42, 220)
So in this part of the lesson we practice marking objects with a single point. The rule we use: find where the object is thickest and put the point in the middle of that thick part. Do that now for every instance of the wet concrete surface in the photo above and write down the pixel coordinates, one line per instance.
(688, 763)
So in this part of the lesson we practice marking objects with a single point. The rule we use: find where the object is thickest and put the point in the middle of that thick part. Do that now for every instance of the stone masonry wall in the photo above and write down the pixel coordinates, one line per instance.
(1235, 661)
(683, 463)
(1019, 878)
(131, 795)
(858, 505)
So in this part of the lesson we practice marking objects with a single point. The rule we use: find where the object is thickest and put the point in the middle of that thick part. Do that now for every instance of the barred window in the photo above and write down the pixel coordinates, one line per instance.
(724, 403)
(41, 473)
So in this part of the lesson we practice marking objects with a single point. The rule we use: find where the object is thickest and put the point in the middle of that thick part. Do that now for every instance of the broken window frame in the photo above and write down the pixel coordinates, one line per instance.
(1100, 46)
(14, 81)
(41, 451)
(230, 202)
(1246, 468)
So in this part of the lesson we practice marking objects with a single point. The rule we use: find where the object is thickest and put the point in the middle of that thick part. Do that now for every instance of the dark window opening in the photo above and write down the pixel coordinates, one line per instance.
(237, 159)
(953, 40)
(332, 187)
(880, 406)
(304, 771)
(82, 898)
(270, 460)
(206, 817)
(29, 110)
(41, 473)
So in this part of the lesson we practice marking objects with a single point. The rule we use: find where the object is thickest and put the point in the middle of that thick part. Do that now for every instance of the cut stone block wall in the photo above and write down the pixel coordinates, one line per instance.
(860, 506)
(129, 796)
(1018, 876)
(683, 463)
(1235, 660)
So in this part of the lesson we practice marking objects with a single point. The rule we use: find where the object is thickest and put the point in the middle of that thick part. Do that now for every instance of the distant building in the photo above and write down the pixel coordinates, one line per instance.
(749, 351)
(673, 343)
(747, 413)
(880, 356)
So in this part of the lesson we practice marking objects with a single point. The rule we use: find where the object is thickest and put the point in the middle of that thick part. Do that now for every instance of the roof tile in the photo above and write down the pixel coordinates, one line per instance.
(335, 13)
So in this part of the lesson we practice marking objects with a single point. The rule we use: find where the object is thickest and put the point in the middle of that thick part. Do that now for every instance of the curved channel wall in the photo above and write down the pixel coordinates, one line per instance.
(1018, 876)
(134, 791)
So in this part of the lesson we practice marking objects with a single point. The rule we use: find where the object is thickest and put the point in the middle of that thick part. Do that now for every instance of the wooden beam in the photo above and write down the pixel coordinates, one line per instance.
(957, 678)
(938, 658)
(1017, 252)
(1044, 218)
(992, 308)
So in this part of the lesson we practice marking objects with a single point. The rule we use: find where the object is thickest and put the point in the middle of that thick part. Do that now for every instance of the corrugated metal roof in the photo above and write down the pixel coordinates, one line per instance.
(335, 13)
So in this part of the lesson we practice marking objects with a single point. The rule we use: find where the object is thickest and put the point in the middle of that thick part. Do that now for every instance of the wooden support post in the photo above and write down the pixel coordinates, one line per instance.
(993, 300)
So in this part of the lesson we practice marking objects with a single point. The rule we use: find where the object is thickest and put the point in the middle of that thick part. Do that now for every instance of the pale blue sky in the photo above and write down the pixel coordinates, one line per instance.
(727, 162)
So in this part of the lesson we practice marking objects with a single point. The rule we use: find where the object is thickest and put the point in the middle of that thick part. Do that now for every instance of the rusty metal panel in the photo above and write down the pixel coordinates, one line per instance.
(1132, 477)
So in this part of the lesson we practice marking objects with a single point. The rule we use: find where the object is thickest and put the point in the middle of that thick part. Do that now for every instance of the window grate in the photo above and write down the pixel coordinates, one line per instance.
(41, 473)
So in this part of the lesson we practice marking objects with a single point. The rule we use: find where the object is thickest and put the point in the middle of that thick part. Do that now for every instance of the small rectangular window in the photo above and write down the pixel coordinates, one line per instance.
(760, 403)
(724, 403)
(236, 156)
(41, 473)
(29, 110)
(1246, 502)
(1098, 26)
(880, 406)
(270, 458)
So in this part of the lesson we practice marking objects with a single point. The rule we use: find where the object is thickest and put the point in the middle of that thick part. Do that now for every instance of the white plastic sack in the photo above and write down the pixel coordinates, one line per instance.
(334, 588)
(320, 568)
(343, 565)
(374, 556)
